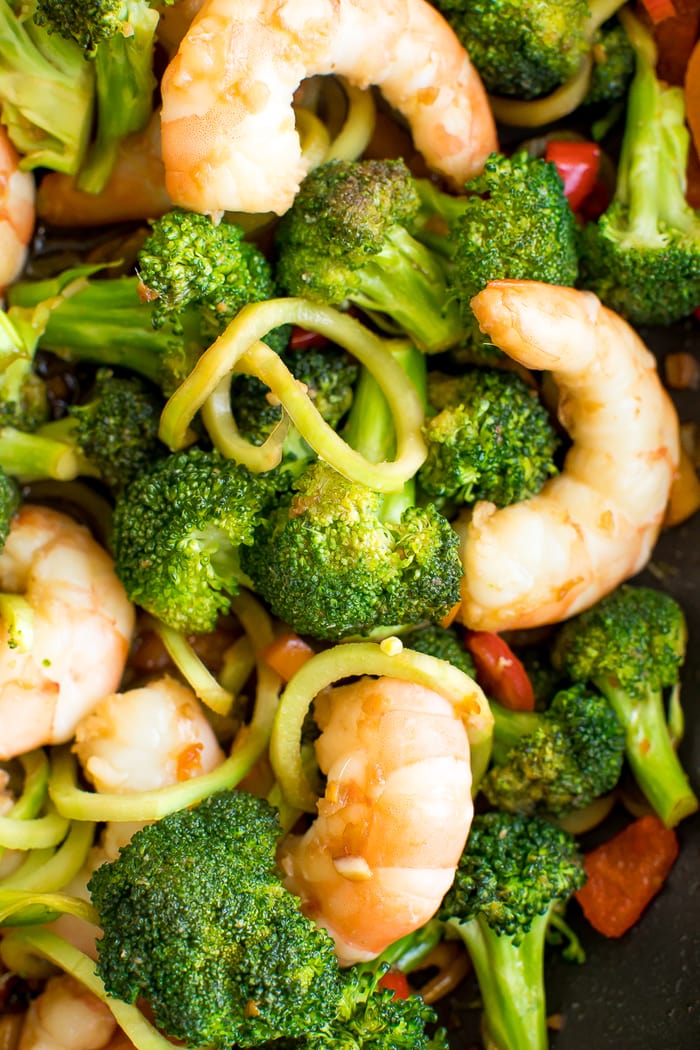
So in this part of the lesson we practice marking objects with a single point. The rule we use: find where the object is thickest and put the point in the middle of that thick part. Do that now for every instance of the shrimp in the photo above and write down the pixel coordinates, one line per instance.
(80, 625)
(383, 850)
(16, 212)
(146, 738)
(595, 524)
(67, 1016)
(135, 188)
(229, 138)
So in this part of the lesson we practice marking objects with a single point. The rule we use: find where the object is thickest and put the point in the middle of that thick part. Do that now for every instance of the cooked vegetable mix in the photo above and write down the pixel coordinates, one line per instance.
(328, 456)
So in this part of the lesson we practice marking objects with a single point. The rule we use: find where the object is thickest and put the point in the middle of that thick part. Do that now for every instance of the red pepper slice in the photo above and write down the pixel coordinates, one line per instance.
(577, 164)
(303, 339)
(396, 982)
(499, 672)
(659, 10)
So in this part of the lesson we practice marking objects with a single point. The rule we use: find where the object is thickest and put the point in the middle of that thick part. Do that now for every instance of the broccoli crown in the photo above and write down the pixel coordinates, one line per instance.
(613, 64)
(328, 373)
(642, 256)
(348, 236)
(514, 868)
(117, 429)
(330, 566)
(176, 534)
(491, 438)
(645, 280)
(371, 1018)
(9, 504)
(196, 920)
(516, 222)
(442, 643)
(635, 637)
(521, 49)
(88, 22)
(190, 260)
(570, 755)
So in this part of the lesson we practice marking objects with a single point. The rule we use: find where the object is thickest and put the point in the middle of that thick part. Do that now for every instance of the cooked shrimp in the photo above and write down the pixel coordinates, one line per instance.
(595, 524)
(16, 212)
(382, 852)
(66, 1016)
(135, 189)
(80, 622)
(146, 738)
(229, 138)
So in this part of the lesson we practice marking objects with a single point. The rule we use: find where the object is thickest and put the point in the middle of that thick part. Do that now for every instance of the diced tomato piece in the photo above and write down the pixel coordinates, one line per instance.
(397, 982)
(499, 672)
(625, 873)
(287, 654)
(303, 339)
(659, 10)
(578, 164)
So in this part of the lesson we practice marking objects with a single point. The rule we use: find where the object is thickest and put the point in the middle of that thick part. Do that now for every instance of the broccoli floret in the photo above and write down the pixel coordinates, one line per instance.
(371, 1018)
(519, 48)
(556, 761)
(613, 64)
(642, 256)
(47, 91)
(515, 872)
(9, 504)
(631, 646)
(104, 321)
(195, 919)
(189, 260)
(441, 642)
(491, 438)
(115, 428)
(118, 37)
(176, 536)
(348, 238)
(338, 559)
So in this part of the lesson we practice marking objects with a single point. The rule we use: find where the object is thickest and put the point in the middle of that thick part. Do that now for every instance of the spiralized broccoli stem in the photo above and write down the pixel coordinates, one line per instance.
(389, 659)
(533, 113)
(24, 947)
(49, 870)
(25, 908)
(250, 744)
(24, 828)
(319, 143)
(240, 347)
(197, 675)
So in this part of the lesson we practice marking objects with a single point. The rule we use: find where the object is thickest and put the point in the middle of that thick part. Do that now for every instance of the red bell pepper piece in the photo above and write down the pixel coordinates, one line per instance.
(577, 164)
(499, 672)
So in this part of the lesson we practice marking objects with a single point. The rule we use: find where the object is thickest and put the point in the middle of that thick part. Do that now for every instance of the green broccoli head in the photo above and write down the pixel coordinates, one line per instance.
(176, 536)
(560, 760)
(490, 438)
(188, 259)
(196, 920)
(347, 237)
(87, 22)
(631, 646)
(9, 504)
(516, 873)
(442, 643)
(613, 64)
(642, 256)
(521, 49)
(516, 223)
(117, 428)
(329, 565)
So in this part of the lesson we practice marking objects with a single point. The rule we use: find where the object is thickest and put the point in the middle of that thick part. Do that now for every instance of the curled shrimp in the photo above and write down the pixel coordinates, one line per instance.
(382, 852)
(78, 627)
(67, 1016)
(229, 137)
(146, 738)
(595, 524)
(16, 212)
(135, 188)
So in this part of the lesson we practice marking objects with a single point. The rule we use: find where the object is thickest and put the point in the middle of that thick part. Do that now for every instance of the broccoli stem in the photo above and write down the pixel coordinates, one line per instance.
(509, 727)
(23, 908)
(18, 617)
(511, 982)
(650, 753)
(42, 455)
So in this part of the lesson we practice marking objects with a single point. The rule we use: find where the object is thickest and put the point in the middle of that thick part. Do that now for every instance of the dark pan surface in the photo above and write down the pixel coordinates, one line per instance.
(641, 992)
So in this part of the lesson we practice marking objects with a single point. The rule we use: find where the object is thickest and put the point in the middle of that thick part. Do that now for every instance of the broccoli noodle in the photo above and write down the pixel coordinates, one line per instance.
(329, 456)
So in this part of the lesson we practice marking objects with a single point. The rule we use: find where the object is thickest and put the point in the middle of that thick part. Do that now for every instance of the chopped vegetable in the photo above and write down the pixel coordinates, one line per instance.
(625, 873)
(499, 672)
(286, 654)
(578, 164)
